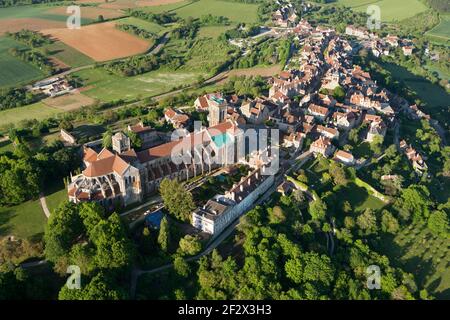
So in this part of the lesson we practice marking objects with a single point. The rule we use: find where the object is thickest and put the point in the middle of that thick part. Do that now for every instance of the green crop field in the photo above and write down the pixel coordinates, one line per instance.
(68, 55)
(38, 111)
(236, 12)
(442, 30)
(108, 87)
(391, 10)
(34, 11)
(26, 220)
(13, 70)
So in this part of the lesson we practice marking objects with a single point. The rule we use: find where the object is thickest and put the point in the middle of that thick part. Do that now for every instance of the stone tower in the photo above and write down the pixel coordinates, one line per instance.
(120, 142)
(217, 111)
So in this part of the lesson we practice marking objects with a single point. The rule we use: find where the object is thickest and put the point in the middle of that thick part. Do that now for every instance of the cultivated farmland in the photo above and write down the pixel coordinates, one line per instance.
(101, 42)
(391, 10)
(89, 12)
(14, 19)
(107, 87)
(69, 102)
(442, 30)
(14, 71)
(236, 12)
(67, 55)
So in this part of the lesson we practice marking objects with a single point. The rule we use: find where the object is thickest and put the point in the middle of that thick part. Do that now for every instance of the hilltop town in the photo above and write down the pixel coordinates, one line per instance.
(240, 185)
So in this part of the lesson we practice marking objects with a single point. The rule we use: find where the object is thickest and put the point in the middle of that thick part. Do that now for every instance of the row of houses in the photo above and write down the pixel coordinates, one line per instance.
(380, 46)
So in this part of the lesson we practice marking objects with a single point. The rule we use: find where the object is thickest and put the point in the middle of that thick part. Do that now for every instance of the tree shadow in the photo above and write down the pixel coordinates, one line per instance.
(5, 217)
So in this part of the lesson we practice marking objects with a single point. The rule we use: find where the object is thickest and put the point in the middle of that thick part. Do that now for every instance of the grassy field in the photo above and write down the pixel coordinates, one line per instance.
(236, 12)
(442, 30)
(55, 197)
(38, 111)
(213, 31)
(68, 55)
(108, 87)
(13, 70)
(423, 254)
(391, 10)
(26, 220)
(434, 96)
(146, 25)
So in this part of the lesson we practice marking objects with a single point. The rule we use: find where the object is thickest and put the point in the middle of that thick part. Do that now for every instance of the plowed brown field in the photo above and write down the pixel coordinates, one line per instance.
(101, 41)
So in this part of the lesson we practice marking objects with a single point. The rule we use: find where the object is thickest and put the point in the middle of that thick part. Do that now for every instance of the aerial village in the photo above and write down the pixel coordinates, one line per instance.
(310, 121)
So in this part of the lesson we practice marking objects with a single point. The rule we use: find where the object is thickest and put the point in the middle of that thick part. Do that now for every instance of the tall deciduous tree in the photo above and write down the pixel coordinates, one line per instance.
(177, 199)
(164, 234)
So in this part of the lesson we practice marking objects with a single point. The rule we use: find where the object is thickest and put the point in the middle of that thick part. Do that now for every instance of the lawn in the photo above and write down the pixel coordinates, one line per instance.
(38, 111)
(391, 10)
(68, 55)
(13, 70)
(423, 254)
(359, 198)
(26, 220)
(235, 11)
(107, 87)
(442, 30)
(55, 197)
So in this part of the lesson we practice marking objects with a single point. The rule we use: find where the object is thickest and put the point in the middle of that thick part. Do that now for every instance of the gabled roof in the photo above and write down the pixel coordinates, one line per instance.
(106, 166)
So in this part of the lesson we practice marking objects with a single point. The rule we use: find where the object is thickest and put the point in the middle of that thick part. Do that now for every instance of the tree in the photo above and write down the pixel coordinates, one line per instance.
(339, 94)
(367, 221)
(177, 199)
(317, 209)
(66, 125)
(164, 234)
(107, 139)
(294, 270)
(276, 215)
(181, 266)
(190, 245)
(438, 223)
(415, 200)
(113, 248)
(136, 141)
(63, 227)
(338, 174)
(101, 287)
(388, 222)
(376, 144)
